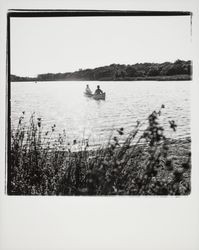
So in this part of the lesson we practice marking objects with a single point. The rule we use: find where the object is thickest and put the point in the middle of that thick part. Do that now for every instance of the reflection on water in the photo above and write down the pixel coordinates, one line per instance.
(63, 104)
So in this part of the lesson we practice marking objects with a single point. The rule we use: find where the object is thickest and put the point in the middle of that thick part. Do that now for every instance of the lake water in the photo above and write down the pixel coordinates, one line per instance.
(63, 104)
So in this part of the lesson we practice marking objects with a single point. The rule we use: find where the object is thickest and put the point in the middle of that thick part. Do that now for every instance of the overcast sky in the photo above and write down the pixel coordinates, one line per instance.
(66, 44)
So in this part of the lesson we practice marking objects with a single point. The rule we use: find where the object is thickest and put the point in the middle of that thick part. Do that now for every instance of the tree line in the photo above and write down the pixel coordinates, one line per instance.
(179, 70)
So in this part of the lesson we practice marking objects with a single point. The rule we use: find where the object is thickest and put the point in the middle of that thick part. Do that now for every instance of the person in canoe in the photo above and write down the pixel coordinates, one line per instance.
(88, 90)
(98, 91)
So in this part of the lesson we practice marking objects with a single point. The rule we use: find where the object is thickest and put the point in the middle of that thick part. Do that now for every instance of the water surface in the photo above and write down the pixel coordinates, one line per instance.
(63, 104)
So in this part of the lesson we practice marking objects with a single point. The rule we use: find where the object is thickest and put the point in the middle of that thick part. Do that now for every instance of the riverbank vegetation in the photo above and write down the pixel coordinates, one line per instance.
(150, 164)
(167, 71)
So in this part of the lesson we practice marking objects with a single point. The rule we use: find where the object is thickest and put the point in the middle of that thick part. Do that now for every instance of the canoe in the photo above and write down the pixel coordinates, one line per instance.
(100, 96)
(96, 97)
(88, 94)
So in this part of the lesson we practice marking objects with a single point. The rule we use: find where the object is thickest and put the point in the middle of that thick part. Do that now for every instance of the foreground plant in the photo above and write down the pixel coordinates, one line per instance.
(142, 165)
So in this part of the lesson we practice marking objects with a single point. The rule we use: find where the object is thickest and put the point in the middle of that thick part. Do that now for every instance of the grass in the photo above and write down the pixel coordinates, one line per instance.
(150, 164)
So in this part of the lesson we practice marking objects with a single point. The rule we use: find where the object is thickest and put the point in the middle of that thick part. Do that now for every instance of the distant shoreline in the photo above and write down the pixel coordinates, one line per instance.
(152, 78)
(178, 71)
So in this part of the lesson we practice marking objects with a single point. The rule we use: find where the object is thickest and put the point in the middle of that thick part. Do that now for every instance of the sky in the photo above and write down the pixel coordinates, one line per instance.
(67, 44)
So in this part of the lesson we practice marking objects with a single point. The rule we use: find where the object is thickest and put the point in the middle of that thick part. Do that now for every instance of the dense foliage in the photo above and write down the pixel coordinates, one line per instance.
(179, 70)
(149, 164)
